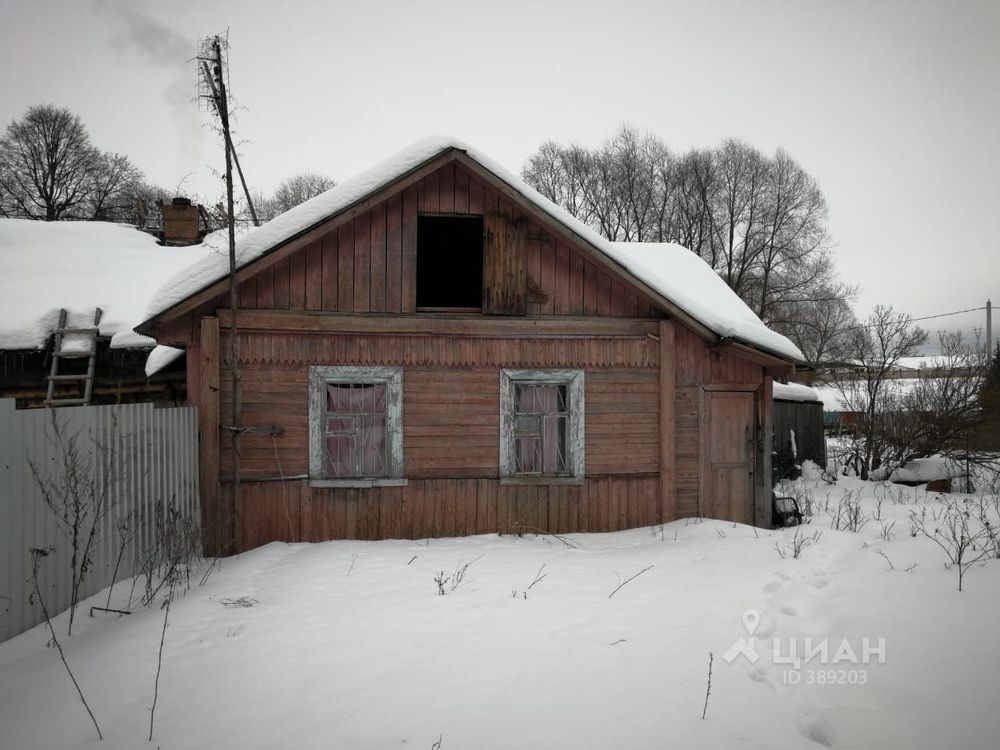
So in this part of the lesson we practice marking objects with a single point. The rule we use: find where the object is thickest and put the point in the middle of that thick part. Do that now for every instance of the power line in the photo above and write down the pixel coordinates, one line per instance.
(925, 317)
(945, 315)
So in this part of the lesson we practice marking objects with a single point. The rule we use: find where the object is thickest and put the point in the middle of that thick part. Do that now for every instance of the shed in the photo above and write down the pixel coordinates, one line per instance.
(432, 349)
(799, 433)
(84, 271)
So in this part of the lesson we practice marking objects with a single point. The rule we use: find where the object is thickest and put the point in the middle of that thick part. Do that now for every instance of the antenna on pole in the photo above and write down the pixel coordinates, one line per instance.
(213, 84)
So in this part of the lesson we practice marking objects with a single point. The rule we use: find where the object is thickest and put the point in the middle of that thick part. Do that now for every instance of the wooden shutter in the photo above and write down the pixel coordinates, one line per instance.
(504, 278)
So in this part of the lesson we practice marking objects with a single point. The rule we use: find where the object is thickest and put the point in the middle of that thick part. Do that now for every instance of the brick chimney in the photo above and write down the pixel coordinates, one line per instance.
(180, 222)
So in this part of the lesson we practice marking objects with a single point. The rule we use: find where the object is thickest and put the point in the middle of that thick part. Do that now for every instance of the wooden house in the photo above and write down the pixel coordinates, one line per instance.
(434, 349)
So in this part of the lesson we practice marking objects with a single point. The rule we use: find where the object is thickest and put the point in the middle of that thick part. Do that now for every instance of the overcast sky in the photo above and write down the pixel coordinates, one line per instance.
(894, 107)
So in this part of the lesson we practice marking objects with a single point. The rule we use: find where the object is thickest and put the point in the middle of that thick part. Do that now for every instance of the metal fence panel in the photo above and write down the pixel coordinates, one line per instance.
(149, 456)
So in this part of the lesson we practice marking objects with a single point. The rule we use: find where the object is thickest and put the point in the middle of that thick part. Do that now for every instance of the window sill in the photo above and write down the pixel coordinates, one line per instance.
(541, 480)
(387, 482)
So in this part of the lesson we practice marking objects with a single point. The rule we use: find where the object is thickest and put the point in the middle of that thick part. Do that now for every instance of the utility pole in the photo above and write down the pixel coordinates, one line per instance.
(989, 330)
(216, 80)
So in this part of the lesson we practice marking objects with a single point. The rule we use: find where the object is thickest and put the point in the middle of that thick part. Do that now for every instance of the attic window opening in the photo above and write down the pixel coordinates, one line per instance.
(449, 262)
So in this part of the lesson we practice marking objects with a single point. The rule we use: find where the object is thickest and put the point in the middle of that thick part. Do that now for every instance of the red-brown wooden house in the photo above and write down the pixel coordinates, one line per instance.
(434, 349)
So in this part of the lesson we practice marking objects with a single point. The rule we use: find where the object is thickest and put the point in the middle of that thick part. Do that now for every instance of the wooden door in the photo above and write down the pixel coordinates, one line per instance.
(504, 272)
(728, 490)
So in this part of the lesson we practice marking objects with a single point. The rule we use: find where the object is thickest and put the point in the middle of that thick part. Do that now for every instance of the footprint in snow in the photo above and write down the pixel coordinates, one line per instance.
(790, 611)
(772, 586)
(817, 728)
(818, 580)
(759, 674)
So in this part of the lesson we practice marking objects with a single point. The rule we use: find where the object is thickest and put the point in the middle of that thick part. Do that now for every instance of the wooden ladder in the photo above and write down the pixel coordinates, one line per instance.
(85, 379)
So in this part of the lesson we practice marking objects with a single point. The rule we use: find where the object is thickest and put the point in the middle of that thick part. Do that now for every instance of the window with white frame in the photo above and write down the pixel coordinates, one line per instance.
(355, 423)
(541, 423)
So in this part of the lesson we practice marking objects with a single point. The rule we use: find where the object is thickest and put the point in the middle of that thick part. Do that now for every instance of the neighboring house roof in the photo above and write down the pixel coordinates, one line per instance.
(795, 392)
(836, 401)
(79, 266)
(680, 276)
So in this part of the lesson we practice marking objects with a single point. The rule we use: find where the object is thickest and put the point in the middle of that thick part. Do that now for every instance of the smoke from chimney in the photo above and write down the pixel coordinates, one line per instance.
(169, 49)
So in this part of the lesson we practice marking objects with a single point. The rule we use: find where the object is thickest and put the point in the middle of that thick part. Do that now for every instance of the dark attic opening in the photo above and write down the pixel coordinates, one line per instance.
(450, 262)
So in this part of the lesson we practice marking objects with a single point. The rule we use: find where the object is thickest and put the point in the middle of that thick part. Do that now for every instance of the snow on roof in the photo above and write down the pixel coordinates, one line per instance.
(795, 392)
(691, 284)
(917, 363)
(160, 357)
(832, 399)
(672, 271)
(79, 266)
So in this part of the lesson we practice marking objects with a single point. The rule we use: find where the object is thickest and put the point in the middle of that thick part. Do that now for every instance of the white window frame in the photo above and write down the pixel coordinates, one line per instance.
(574, 382)
(319, 377)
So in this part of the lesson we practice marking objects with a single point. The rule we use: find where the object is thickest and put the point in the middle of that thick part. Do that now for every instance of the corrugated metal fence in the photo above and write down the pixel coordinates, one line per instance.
(140, 458)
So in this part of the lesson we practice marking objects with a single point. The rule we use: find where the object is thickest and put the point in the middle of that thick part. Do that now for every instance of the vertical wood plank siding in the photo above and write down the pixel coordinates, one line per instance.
(369, 263)
(697, 364)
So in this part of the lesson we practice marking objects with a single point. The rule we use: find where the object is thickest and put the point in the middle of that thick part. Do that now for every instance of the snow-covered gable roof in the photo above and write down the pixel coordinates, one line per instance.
(677, 274)
(79, 266)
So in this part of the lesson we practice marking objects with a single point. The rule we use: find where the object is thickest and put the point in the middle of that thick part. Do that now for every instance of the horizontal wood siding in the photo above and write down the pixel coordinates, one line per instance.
(622, 421)
(451, 422)
(368, 264)
(686, 449)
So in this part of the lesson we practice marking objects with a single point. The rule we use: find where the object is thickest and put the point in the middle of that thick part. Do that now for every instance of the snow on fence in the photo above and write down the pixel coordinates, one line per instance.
(140, 459)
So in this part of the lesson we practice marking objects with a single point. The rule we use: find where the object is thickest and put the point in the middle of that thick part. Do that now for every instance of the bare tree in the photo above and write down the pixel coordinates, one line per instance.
(759, 221)
(792, 259)
(47, 164)
(298, 189)
(740, 210)
(819, 325)
(941, 410)
(49, 170)
(115, 187)
(873, 350)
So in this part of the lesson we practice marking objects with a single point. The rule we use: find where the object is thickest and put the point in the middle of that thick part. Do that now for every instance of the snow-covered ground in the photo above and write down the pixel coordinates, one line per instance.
(349, 645)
